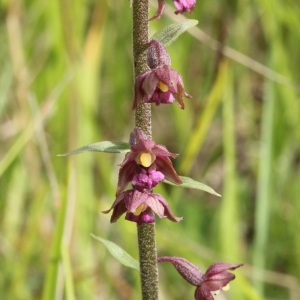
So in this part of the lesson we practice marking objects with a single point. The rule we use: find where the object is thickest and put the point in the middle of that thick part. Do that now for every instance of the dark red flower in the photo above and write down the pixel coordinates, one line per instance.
(136, 202)
(145, 153)
(181, 5)
(184, 6)
(160, 85)
(215, 278)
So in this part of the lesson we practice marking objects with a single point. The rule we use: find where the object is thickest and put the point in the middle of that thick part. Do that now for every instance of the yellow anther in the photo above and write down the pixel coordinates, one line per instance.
(163, 87)
(226, 287)
(146, 159)
(139, 210)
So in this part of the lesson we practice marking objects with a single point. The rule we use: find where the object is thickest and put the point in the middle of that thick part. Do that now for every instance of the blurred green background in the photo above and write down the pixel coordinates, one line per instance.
(66, 81)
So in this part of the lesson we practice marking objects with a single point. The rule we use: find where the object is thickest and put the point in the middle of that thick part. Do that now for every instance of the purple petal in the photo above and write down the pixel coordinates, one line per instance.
(203, 294)
(140, 180)
(159, 97)
(126, 174)
(186, 269)
(118, 207)
(181, 93)
(149, 84)
(216, 268)
(167, 212)
(118, 211)
(166, 97)
(155, 205)
(164, 165)
(218, 281)
(217, 277)
(144, 217)
(156, 177)
(147, 179)
(160, 10)
(184, 6)
(169, 77)
(162, 151)
(135, 199)
(116, 202)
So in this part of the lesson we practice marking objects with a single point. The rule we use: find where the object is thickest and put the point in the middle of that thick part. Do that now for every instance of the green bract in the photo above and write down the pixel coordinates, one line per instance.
(105, 146)
(118, 253)
(171, 32)
(192, 184)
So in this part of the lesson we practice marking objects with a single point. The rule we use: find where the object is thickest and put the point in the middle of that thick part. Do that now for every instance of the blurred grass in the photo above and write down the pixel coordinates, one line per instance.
(66, 81)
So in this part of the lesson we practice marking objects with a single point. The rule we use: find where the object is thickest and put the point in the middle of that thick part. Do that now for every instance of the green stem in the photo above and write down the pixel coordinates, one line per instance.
(146, 231)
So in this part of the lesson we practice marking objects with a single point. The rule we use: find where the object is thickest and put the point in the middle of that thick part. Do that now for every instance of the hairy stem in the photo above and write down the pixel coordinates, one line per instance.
(146, 231)
(140, 10)
(148, 264)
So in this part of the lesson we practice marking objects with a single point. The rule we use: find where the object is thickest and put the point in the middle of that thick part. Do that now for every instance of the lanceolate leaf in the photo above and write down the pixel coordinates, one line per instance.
(118, 253)
(171, 32)
(105, 146)
(192, 184)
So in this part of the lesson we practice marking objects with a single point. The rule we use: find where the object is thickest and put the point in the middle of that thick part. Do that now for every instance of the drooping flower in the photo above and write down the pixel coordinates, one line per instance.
(136, 202)
(215, 279)
(184, 6)
(181, 5)
(145, 153)
(160, 85)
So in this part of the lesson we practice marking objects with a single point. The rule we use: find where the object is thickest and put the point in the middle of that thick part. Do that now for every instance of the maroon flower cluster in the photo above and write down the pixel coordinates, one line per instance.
(144, 166)
(148, 163)
(161, 84)
(215, 279)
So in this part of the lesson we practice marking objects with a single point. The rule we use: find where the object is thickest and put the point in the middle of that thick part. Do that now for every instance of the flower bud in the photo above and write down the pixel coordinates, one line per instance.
(157, 55)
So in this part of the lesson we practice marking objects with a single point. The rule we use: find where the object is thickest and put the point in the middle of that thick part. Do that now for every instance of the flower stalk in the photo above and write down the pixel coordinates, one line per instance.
(146, 231)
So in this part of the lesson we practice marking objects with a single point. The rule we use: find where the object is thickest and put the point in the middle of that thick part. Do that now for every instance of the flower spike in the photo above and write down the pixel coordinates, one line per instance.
(215, 278)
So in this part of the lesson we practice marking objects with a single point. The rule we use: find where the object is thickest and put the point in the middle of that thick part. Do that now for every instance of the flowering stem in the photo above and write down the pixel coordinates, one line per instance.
(146, 231)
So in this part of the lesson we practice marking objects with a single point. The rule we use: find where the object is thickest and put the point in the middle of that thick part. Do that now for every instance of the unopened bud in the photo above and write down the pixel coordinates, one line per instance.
(157, 55)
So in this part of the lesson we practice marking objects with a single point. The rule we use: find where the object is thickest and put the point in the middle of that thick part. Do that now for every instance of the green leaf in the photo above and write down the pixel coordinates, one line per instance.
(192, 184)
(105, 146)
(118, 253)
(171, 32)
